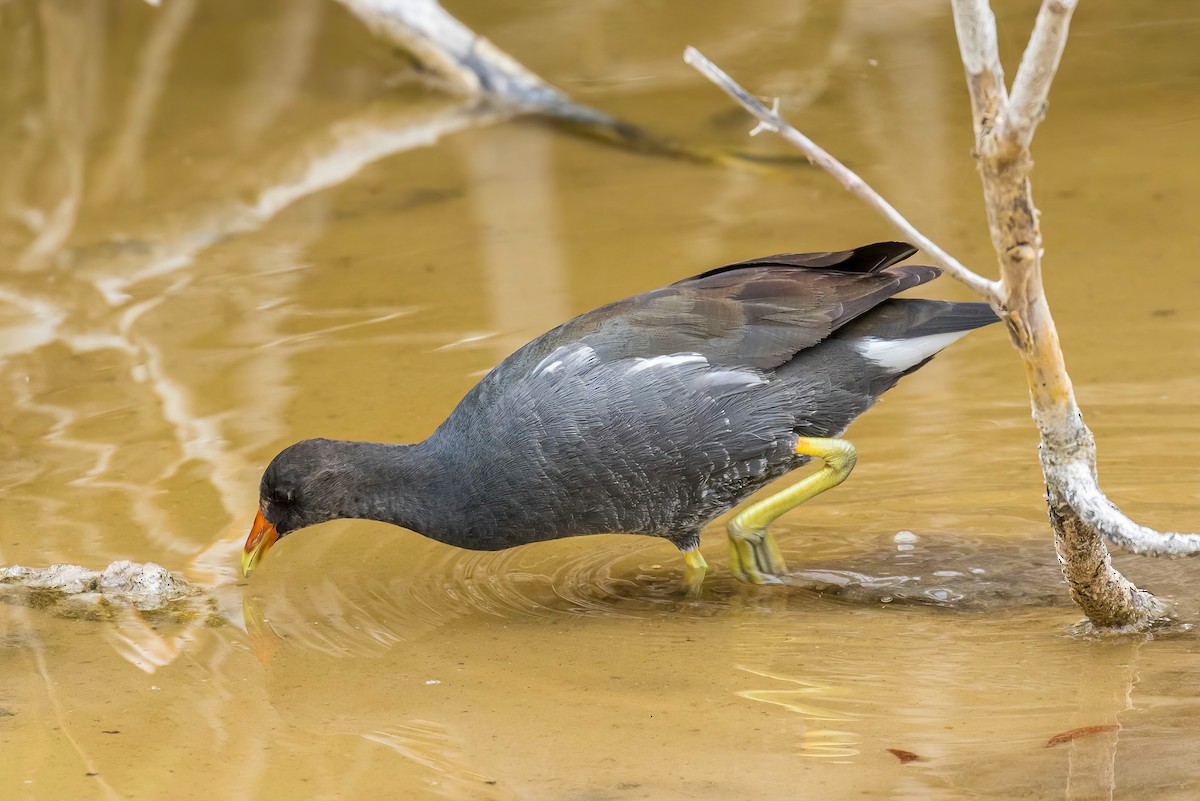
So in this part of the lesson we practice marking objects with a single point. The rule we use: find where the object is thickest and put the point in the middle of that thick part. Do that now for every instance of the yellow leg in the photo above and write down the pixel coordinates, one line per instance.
(754, 556)
(694, 570)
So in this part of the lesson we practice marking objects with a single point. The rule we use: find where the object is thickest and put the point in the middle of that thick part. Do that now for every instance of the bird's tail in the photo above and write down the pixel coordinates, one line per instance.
(865, 358)
(899, 335)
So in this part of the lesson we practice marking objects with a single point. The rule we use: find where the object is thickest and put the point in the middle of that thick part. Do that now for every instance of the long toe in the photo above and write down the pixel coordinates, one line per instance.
(756, 562)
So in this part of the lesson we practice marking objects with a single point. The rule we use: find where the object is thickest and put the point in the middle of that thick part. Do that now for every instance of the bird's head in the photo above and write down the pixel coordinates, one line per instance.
(306, 484)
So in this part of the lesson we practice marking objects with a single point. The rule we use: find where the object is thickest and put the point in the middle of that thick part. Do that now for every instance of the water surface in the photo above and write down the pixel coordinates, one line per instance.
(218, 236)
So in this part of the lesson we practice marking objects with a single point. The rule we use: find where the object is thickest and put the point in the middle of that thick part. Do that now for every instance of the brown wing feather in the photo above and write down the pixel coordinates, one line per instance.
(758, 313)
(866, 259)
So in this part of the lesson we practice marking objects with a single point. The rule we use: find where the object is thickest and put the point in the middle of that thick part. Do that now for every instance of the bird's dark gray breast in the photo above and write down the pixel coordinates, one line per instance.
(577, 445)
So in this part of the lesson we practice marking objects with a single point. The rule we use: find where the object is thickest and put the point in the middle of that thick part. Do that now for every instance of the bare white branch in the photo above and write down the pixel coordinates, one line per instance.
(442, 44)
(975, 25)
(769, 119)
(1097, 511)
(1081, 516)
(1031, 87)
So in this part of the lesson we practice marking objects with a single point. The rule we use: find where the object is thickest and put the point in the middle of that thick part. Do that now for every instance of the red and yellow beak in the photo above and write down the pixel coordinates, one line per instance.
(262, 536)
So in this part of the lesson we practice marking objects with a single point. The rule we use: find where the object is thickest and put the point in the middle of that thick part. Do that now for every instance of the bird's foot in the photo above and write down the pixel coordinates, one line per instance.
(694, 571)
(754, 556)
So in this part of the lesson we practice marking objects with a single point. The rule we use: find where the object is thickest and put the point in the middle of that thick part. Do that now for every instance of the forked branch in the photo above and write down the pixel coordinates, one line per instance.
(1080, 514)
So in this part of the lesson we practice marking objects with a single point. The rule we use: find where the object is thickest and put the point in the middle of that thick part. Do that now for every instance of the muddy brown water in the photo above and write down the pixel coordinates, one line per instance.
(215, 240)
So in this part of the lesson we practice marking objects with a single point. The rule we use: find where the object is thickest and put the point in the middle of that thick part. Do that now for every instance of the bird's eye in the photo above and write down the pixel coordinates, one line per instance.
(280, 496)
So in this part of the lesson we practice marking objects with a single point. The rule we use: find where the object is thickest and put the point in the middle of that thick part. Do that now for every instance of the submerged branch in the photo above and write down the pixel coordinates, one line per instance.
(465, 61)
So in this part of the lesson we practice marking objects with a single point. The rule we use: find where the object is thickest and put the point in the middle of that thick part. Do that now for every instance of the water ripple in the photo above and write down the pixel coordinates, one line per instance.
(375, 603)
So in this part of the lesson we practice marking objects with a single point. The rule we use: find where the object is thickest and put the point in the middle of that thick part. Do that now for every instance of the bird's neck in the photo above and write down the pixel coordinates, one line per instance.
(406, 485)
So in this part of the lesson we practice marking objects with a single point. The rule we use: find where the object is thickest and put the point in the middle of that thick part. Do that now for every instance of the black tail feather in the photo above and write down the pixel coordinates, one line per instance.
(906, 318)
(866, 259)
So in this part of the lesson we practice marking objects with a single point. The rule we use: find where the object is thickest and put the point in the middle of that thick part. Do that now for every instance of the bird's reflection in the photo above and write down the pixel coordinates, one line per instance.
(439, 669)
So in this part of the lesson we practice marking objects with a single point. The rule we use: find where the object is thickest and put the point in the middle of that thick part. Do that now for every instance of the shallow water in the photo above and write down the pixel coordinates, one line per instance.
(217, 237)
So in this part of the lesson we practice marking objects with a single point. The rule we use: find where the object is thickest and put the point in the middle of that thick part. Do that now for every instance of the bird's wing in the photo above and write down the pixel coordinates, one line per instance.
(758, 313)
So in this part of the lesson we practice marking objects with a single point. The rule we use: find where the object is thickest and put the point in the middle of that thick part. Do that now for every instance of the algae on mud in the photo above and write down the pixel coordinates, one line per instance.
(76, 592)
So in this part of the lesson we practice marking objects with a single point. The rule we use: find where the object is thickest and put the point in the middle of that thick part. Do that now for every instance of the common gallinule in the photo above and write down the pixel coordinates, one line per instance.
(651, 415)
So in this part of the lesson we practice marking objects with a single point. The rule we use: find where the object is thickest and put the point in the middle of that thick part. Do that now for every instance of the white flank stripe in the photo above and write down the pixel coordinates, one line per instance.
(897, 355)
(572, 357)
(734, 377)
(671, 360)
